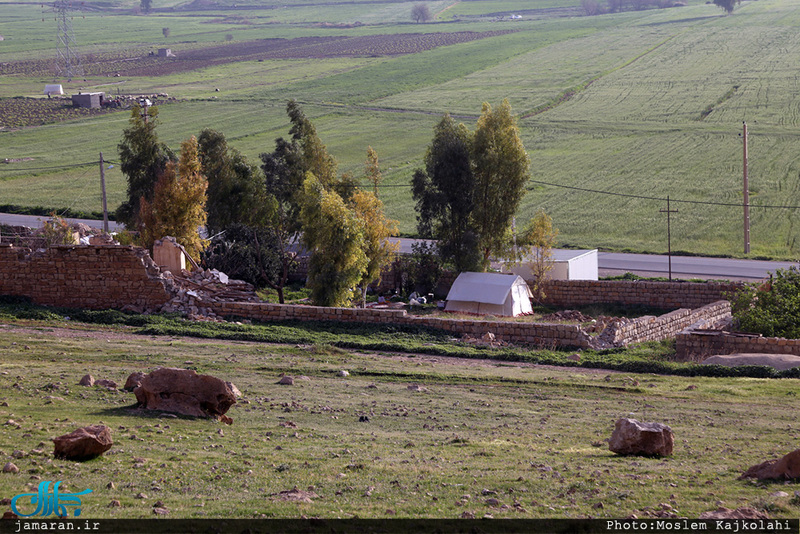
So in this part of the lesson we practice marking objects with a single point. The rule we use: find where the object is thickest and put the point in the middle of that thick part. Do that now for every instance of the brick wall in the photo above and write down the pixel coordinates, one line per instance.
(666, 295)
(93, 277)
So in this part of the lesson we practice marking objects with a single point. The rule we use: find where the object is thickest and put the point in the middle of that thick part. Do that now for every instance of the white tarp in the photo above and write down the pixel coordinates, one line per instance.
(489, 294)
(53, 89)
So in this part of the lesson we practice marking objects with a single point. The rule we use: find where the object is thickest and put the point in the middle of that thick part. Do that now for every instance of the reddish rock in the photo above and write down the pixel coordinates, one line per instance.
(134, 380)
(286, 381)
(105, 383)
(784, 468)
(739, 513)
(87, 380)
(185, 392)
(632, 437)
(83, 444)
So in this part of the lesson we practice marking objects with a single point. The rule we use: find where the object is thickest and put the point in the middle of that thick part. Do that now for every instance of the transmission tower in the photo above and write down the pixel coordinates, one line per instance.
(68, 64)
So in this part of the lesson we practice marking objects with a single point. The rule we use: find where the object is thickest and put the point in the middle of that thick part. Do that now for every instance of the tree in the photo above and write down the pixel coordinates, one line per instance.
(500, 164)
(178, 205)
(146, 5)
(727, 5)
(245, 253)
(235, 188)
(445, 196)
(165, 31)
(421, 13)
(368, 208)
(538, 240)
(335, 238)
(142, 159)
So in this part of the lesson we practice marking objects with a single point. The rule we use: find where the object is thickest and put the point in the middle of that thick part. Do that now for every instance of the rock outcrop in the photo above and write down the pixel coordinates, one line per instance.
(632, 437)
(83, 444)
(185, 392)
(785, 468)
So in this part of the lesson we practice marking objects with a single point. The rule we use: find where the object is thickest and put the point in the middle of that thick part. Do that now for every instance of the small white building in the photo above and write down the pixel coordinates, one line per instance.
(567, 265)
(489, 294)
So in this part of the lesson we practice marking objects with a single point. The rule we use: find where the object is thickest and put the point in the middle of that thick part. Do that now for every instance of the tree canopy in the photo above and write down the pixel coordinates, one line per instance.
(178, 205)
(445, 195)
(500, 164)
(142, 159)
(471, 187)
(727, 5)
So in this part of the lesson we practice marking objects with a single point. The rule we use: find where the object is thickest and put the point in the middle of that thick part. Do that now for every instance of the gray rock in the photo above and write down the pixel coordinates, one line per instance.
(632, 437)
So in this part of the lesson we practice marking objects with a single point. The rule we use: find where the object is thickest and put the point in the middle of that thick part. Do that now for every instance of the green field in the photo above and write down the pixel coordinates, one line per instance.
(646, 103)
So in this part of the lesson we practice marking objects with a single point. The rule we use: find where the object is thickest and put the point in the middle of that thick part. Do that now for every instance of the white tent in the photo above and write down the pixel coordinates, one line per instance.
(489, 294)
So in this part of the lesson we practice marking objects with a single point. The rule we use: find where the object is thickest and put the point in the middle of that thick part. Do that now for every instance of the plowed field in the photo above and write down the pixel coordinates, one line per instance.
(133, 63)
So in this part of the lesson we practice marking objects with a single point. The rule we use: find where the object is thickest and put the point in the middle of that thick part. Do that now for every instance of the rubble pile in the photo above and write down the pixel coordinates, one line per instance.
(194, 291)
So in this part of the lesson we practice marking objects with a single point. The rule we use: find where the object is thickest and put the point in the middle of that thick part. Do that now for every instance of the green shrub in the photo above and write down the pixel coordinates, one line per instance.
(771, 309)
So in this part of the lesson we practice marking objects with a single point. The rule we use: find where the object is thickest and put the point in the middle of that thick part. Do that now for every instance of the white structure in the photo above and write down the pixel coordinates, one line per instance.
(489, 294)
(567, 265)
(53, 89)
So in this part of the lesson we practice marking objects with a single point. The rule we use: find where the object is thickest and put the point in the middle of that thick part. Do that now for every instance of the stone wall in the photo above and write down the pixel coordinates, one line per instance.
(649, 328)
(93, 277)
(698, 342)
(549, 335)
(665, 295)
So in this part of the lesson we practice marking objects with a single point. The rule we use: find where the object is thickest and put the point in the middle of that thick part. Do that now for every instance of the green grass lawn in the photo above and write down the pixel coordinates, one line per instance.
(533, 438)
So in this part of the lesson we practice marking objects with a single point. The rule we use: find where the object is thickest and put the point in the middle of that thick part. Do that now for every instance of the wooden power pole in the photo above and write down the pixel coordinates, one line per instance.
(669, 236)
(745, 191)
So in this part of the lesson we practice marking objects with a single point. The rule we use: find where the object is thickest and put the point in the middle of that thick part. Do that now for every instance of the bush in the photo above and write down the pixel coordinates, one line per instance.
(771, 309)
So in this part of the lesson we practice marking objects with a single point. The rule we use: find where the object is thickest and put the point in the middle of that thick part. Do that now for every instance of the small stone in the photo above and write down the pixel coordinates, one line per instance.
(114, 504)
(286, 381)
(160, 511)
(111, 485)
(18, 454)
(343, 373)
(87, 380)
(141, 496)
(10, 468)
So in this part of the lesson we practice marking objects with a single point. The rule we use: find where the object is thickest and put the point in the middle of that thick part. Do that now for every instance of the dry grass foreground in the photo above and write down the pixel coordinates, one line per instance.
(515, 441)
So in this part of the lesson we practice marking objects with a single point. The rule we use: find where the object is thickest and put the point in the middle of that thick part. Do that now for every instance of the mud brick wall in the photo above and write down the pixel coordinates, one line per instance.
(81, 276)
(531, 333)
(666, 295)
(666, 326)
(697, 343)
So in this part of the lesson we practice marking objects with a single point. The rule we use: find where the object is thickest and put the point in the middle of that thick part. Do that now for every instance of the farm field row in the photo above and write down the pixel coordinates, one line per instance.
(647, 104)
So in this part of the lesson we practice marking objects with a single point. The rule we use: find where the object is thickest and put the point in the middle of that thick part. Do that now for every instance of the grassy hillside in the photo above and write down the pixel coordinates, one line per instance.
(647, 104)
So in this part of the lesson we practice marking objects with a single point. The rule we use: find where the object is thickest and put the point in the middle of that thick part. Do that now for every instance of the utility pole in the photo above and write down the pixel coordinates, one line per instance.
(103, 187)
(669, 236)
(745, 192)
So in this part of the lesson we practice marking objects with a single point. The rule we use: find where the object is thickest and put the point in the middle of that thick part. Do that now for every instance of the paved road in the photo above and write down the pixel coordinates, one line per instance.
(37, 221)
(687, 266)
(609, 263)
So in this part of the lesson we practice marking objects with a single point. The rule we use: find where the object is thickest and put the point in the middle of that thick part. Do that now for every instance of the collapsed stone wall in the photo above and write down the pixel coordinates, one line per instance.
(540, 334)
(665, 295)
(650, 328)
(92, 277)
(124, 277)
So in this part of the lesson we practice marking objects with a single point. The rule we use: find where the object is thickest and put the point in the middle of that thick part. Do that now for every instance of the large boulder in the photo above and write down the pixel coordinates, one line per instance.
(185, 392)
(785, 468)
(83, 444)
(632, 437)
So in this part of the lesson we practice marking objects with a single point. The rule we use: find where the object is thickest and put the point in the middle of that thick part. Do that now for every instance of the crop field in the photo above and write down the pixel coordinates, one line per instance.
(618, 111)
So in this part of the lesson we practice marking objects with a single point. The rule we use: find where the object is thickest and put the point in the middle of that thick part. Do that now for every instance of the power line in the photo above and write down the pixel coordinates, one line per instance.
(661, 199)
(56, 168)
